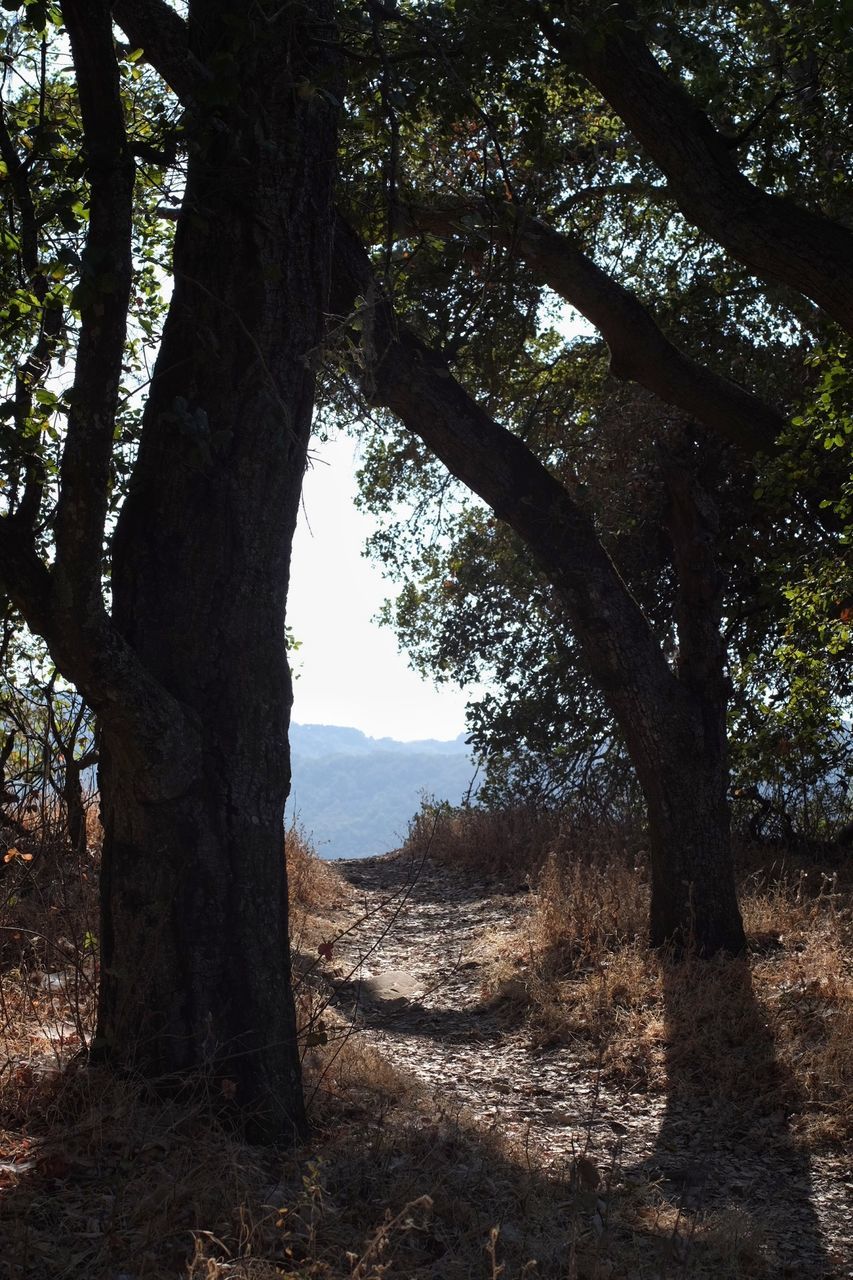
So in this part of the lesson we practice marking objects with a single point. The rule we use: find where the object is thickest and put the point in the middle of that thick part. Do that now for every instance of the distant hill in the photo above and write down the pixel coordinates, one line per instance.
(355, 795)
(312, 740)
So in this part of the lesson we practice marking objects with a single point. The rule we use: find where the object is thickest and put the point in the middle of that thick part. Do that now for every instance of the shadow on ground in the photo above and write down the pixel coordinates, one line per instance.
(403, 874)
(727, 1192)
(132, 1189)
(726, 1143)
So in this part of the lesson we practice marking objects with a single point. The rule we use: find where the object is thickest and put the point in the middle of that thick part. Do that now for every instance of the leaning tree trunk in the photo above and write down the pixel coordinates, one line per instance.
(195, 959)
(673, 724)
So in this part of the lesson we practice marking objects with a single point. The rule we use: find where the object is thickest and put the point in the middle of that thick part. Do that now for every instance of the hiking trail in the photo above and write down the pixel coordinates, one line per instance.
(409, 972)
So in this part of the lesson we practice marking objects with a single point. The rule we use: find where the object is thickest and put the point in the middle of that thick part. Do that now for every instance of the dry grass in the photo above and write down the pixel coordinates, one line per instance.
(109, 1183)
(313, 885)
(97, 1179)
(313, 890)
(775, 1030)
(757, 1051)
(514, 842)
(48, 897)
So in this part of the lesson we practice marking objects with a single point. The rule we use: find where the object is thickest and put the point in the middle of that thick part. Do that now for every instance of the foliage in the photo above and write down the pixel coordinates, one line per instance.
(502, 118)
(47, 742)
(44, 224)
(508, 122)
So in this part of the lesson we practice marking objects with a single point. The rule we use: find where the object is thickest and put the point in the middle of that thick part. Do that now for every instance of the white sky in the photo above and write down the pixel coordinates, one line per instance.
(350, 671)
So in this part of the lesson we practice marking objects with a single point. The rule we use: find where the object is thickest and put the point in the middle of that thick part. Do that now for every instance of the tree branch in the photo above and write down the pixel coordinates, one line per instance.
(20, 184)
(104, 300)
(774, 237)
(401, 374)
(32, 371)
(646, 190)
(25, 577)
(694, 527)
(639, 351)
(64, 604)
(155, 27)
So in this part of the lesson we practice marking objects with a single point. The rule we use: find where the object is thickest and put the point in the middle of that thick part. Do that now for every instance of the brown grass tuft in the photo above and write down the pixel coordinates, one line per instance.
(773, 1031)
(312, 884)
(513, 842)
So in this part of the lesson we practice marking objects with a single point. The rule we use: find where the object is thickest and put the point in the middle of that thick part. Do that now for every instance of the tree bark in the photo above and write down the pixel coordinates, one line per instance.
(687, 793)
(195, 960)
(693, 900)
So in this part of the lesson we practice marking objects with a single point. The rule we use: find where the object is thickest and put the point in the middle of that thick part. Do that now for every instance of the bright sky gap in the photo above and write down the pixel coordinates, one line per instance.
(349, 670)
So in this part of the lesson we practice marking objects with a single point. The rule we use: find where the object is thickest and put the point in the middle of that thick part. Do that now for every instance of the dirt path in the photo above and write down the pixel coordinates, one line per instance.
(411, 974)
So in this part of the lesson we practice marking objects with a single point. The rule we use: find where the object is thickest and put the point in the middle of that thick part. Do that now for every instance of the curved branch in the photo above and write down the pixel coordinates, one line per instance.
(64, 603)
(774, 237)
(639, 351)
(91, 653)
(405, 376)
(104, 293)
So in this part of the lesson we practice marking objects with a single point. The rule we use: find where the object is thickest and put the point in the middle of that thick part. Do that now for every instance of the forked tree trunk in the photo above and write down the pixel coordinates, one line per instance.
(686, 781)
(693, 899)
(196, 973)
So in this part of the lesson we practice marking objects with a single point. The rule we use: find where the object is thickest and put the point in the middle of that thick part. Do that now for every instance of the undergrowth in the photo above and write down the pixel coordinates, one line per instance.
(99, 1178)
(774, 1029)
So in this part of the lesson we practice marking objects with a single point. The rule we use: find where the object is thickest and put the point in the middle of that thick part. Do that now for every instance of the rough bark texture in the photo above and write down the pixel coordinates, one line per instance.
(189, 677)
(673, 731)
(153, 25)
(194, 941)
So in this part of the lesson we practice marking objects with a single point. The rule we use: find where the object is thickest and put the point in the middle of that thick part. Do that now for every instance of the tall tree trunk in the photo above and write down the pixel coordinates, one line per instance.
(693, 900)
(686, 783)
(196, 972)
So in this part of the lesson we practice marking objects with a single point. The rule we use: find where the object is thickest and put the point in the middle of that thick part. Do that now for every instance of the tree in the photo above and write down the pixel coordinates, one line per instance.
(472, 606)
(184, 663)
(674, 725)
(470, 198)
(186, 671)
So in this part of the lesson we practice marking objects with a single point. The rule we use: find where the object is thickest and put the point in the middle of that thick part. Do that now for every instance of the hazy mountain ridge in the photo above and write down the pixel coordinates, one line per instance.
(355, 795)
(313, 740)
